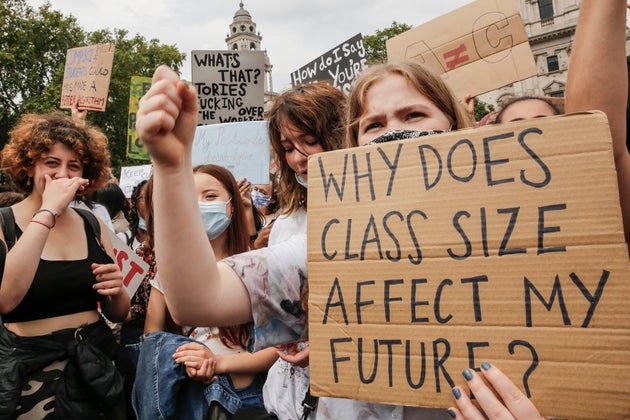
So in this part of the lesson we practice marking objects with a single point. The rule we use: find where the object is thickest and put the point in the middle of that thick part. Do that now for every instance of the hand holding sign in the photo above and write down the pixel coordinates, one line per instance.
(514, 403)
(167, 118)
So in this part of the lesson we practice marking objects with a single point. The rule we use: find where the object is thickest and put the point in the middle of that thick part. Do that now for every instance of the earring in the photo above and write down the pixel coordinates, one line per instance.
(28, 182)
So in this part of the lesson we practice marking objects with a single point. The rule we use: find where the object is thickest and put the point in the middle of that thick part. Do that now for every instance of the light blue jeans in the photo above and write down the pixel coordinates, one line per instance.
(162, 389)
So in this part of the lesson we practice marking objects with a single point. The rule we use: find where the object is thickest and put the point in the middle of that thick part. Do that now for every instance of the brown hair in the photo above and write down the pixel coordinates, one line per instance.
(517, 99)
(420, 77)
(316, 109)
(35, 134)
(237, 240)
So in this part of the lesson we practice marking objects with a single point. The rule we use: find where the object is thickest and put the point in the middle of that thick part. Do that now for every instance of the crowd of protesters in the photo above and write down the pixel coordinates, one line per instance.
(218, 327)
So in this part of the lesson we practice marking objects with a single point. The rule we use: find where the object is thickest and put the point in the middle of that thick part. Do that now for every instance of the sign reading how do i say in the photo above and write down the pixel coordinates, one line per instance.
(500, 244)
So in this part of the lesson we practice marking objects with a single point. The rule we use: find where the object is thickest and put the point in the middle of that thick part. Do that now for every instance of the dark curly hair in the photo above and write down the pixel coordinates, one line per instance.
(35, 134)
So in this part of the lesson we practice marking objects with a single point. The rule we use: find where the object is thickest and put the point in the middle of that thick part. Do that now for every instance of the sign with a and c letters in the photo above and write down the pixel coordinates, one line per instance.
(475, 49)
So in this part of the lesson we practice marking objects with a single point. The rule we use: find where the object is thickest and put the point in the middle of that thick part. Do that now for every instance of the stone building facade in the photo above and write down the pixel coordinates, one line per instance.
(243, 36)
(550, 26)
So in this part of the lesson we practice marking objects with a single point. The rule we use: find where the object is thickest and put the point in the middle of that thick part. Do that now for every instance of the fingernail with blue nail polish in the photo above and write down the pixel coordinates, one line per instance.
(452, 413)
(485, 365)
(456, 393)
(467, 374)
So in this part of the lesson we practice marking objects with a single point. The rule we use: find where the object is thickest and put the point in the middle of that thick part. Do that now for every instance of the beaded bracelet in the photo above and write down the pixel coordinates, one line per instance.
(41, 223)
(52, 212)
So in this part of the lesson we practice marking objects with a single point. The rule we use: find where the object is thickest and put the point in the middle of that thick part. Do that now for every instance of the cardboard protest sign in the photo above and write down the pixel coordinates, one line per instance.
(502, 244)
(86, 76)
(130, 176)
(241, 147)
(230, 85)
(339, 66)
(138, 86)
(477, 48)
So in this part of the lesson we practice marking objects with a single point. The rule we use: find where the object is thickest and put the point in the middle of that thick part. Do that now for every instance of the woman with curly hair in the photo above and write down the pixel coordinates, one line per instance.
(56, 349)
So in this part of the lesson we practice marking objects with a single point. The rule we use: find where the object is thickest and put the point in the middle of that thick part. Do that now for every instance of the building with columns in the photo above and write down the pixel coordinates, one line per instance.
(550, 26)
(243, 36)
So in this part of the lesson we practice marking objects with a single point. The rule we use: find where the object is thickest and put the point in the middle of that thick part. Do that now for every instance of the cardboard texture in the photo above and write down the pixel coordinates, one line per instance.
(230, 85)
(501, 244)
(475, 49)
(86, 76)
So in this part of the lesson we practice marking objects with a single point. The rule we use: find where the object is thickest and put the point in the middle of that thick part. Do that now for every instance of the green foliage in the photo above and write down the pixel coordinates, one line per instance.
(481, 109)
(33, 46)
(375, 45)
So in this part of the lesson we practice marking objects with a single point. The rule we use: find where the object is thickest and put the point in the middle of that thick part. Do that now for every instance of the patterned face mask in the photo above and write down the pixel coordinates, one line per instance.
(260, 199)
(403, 135)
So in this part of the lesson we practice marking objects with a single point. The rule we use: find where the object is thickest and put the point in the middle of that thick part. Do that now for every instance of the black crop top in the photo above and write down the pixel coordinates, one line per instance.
(61, 287)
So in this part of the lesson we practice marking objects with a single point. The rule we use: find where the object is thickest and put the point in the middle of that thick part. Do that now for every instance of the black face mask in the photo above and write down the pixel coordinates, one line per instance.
(403, 135)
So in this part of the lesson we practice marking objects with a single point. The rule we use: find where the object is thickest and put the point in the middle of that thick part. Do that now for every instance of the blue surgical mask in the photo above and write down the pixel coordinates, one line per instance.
(260, 199)
(301, 180)
(214, 216)
(142, 224)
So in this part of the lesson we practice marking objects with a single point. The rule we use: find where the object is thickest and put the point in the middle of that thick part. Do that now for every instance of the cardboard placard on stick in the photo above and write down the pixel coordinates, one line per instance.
(230, 85)
(475, 49)
(86, 76)
(502, 244)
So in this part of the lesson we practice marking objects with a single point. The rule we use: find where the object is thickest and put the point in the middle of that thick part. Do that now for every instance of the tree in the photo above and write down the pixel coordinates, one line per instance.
(33, 49)
(375, 45)
(481, 109)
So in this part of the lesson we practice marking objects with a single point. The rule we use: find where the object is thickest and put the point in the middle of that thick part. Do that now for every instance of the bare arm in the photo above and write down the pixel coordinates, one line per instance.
(198, 291)
(23, 259)
(600, 38)
(156, 312)
(246, 362)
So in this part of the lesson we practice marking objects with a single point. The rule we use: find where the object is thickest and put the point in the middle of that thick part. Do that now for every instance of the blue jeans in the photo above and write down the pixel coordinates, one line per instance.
(163, 390)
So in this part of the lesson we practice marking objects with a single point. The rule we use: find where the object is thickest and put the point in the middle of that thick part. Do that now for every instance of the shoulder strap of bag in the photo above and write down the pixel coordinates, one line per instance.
(93, 222)
(8, 226)
(309, 403)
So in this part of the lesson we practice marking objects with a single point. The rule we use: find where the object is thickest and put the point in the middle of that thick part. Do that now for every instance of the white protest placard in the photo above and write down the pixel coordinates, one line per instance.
(339, 66)
(133, 267)
(476, 48)
(86, 76)
(130, 176)
(502, 243)
(241, 147)
(230, 85)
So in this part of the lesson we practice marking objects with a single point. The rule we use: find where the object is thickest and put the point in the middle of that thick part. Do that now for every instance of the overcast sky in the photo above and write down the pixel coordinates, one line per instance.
(293, 32)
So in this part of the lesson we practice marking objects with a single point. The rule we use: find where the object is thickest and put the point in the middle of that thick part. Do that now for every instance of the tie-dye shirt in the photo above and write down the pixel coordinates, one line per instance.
(275, 278)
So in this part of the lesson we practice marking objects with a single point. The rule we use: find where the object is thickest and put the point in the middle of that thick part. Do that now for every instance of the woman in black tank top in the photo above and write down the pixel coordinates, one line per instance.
(58, 272)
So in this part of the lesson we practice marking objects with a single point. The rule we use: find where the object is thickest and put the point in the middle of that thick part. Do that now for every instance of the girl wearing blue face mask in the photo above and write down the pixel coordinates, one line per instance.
(133, 326)
(211, 364)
